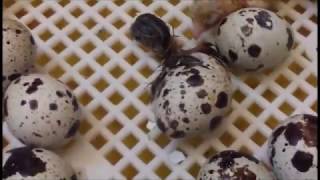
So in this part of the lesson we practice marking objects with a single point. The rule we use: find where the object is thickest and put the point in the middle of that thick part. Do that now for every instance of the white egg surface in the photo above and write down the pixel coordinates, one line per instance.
(231, 164)
(41, 111)
(254, 39)
(29, 163)
(19, 50)
(191, 95)
(292, 148)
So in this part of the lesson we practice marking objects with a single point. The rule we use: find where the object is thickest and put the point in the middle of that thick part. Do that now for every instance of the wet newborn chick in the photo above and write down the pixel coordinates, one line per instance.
(207, 13)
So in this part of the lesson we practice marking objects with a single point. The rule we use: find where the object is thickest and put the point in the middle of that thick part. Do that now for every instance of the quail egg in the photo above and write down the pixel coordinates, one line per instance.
(253, 39)
(41, 111)
(191, 94)
(231, 164)
(292, 148)
(34, 164)
(19, 50)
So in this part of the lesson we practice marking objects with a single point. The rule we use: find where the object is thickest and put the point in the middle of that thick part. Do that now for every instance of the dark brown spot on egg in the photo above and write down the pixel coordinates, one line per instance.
(186, 120)
(165, 92)
(214, 122)
(250, 20)
(222, 100)
(14, 76)
(23, 161)
(195, 80)
(58, 122)
(161, 125)
(69, 94)
(33, 104)
(293, 133)
(34, 86)
(23, 102)
(174, 124)
(74, 128)
(75, 104)
(202, 94)
(233, 56)
(182, 108)
(263, 19)
(254, 50)
(53, 106)
(59, 94)
(165, 104)
(18, 31)
(302, 161)
(178, 134)
(242, 12)
(206, 108)
(290, 39)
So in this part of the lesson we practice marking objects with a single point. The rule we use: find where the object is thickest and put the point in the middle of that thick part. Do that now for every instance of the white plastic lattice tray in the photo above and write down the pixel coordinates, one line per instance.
(86, 45)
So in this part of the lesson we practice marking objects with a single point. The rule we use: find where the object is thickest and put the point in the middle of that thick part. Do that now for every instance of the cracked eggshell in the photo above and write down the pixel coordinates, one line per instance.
(231, 164)
(41, 111)
(35, 164)
(254, 39)
(191, 97)
(292, 148)
(19, 50)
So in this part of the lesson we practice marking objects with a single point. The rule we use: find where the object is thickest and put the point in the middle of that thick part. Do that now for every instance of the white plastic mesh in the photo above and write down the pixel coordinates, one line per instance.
(86, 45)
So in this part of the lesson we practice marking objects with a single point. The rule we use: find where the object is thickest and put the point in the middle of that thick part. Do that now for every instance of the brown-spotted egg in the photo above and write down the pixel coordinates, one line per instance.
(191, 95)
(230, 164)
(41, 111)
(292, 148)
(254, 39)
(19, 50)
(35, 164)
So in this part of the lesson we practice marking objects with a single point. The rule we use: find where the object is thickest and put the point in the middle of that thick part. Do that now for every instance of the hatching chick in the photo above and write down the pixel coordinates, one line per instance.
(207, 13)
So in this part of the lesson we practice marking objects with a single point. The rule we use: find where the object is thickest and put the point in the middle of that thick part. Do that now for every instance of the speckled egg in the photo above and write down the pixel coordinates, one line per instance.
(41, 111)
(292, 148)
(34, 164)
(191, 95)
(254, 39)
(231, 164)
(19, 50)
